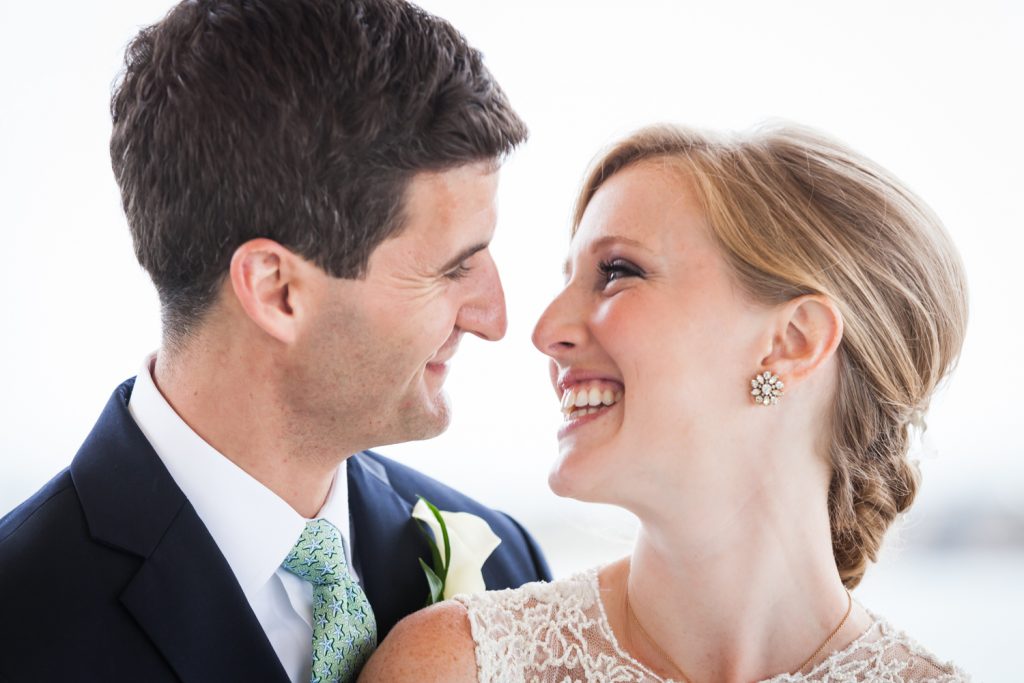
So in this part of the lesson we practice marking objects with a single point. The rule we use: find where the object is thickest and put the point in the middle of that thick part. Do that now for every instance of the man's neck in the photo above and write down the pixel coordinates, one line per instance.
(232, 403)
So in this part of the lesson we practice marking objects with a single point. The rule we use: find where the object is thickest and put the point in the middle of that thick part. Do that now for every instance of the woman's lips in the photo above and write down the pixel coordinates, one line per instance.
(576, 377)
(582, 417)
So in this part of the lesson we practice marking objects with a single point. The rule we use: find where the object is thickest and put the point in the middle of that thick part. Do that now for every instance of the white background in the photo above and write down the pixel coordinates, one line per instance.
(930, 89)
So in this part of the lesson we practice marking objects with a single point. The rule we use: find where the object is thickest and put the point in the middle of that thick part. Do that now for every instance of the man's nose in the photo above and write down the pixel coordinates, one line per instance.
(484, 314)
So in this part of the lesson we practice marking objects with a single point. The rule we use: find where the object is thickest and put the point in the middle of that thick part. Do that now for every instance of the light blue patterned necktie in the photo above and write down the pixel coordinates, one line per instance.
(344, 629)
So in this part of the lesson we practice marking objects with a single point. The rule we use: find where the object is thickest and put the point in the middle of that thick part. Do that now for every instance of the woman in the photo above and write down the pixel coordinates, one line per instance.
(750, 328)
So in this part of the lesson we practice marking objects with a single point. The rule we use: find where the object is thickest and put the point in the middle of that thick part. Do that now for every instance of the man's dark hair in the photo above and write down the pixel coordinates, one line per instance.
(302, 121)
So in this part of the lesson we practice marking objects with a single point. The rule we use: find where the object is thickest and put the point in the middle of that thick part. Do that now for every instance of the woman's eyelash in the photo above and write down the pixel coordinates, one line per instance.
(615, 269)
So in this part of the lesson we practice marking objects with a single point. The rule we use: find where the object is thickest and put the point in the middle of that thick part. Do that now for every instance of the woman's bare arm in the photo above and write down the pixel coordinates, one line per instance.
(434, 644)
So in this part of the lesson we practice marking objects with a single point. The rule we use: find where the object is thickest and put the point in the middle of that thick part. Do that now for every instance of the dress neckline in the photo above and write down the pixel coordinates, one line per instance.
(592, 577)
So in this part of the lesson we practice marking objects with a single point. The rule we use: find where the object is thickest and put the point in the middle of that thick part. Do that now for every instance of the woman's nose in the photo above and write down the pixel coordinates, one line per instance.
(560, 327)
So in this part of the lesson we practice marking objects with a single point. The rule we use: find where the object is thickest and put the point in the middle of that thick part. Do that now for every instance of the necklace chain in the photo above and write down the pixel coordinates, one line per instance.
(652, 641)
(686, 679)
(831, 636)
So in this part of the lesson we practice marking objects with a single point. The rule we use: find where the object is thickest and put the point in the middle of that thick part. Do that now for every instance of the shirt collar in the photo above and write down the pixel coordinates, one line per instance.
(253, 527)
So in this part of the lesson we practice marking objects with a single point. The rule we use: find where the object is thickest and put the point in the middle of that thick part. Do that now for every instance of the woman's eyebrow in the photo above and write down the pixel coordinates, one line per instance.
(616, 239)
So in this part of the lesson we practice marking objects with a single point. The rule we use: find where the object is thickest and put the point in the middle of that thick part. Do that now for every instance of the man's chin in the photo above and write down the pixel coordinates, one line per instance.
(441, 416)
(431, 420)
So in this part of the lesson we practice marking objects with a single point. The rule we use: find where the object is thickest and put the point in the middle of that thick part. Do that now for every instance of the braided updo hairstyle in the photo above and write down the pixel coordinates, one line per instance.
(796, 213)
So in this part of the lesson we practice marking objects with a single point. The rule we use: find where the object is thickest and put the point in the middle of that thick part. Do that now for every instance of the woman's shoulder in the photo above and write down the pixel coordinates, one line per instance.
(469, 637)
(433, 644)
(884, 652)
(920, 664)
(573, 592)
(515, 630)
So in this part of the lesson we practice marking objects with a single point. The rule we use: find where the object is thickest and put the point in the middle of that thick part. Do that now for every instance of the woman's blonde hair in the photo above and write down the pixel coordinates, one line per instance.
(796, 213)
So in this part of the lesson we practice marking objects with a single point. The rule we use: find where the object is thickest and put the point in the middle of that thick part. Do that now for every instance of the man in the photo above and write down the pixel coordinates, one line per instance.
(311, 186)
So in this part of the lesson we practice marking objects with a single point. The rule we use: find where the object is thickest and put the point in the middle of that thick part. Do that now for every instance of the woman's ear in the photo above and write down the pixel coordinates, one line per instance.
(809, 331)
(264, 277)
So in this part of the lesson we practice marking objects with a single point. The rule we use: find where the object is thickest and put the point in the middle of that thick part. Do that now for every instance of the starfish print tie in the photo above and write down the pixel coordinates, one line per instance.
(344, 629)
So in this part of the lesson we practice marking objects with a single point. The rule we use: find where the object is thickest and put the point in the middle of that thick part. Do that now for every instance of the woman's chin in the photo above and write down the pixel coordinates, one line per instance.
(577, 477)
(559, 484)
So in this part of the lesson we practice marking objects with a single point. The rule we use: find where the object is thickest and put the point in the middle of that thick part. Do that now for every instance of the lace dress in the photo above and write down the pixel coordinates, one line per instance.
(558, 633)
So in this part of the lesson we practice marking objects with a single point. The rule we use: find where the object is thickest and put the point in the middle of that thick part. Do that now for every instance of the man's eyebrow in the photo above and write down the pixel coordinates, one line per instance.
(599, 244)
(462, 256)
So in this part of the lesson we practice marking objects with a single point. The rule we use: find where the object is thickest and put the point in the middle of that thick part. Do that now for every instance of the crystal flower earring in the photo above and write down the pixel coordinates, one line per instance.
(766, 388)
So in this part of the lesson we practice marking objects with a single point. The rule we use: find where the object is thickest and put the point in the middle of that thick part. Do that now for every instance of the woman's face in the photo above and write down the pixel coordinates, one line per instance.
(654, 336)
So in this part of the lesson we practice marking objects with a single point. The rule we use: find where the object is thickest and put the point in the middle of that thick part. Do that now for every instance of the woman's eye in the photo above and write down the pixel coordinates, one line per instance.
(616, 269)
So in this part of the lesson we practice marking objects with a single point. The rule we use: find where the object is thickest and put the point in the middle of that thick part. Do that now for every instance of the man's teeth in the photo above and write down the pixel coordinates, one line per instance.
(587, 399)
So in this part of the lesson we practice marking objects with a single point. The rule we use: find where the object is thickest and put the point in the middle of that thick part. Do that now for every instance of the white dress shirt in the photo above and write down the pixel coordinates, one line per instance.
(252, 526)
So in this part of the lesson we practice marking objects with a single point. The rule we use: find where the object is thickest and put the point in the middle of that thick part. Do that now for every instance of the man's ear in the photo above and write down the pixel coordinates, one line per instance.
(808, 333)
(265, 278)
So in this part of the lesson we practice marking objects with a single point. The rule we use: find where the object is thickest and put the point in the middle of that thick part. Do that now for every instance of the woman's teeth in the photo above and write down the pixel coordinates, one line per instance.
(585, 399)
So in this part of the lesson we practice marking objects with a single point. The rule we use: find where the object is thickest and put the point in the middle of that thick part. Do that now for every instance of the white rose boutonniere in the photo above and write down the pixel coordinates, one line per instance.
(460, 545)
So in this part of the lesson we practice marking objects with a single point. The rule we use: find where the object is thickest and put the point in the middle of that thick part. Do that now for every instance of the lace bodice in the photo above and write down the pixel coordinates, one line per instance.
(558, 633)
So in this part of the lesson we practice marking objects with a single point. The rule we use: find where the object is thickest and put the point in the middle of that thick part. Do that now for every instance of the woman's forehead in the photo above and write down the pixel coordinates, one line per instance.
(648, 205)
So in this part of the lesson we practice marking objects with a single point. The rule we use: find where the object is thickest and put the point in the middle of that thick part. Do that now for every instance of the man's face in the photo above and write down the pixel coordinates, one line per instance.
(371, 369)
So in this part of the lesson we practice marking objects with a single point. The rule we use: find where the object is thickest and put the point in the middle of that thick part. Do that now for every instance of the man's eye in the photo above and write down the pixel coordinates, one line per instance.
(458, 273)
(616, 269)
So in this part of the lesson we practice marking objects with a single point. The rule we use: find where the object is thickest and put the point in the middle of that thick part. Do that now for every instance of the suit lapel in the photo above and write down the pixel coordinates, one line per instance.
(386, 544)
(184, 595)
(189, 603)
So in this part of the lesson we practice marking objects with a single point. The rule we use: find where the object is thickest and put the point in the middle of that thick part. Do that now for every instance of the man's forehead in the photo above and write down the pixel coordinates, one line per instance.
(448, 217)
(479, 168)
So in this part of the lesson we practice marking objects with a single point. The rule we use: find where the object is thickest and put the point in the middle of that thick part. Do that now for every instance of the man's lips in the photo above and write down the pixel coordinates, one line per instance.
(441, 361)
(438, 365)
(445, 353)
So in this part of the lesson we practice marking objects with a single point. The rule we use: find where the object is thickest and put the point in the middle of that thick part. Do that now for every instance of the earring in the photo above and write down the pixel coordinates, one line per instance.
(766, 388)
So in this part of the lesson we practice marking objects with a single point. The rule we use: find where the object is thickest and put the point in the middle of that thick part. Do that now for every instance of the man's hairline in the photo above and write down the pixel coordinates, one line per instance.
(181, 339)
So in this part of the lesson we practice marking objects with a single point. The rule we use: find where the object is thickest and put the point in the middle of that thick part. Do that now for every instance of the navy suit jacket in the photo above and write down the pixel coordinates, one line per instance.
(108, 574)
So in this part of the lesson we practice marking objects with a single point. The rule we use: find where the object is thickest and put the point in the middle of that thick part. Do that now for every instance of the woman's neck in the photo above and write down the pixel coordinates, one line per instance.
(749, 599)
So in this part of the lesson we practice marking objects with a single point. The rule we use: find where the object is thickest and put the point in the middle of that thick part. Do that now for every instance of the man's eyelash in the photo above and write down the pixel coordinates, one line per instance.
(459, 273)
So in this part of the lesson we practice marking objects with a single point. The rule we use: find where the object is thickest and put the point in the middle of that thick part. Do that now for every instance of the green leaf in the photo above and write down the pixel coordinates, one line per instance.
(444, 532)
(434, 552)
(436, 584)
